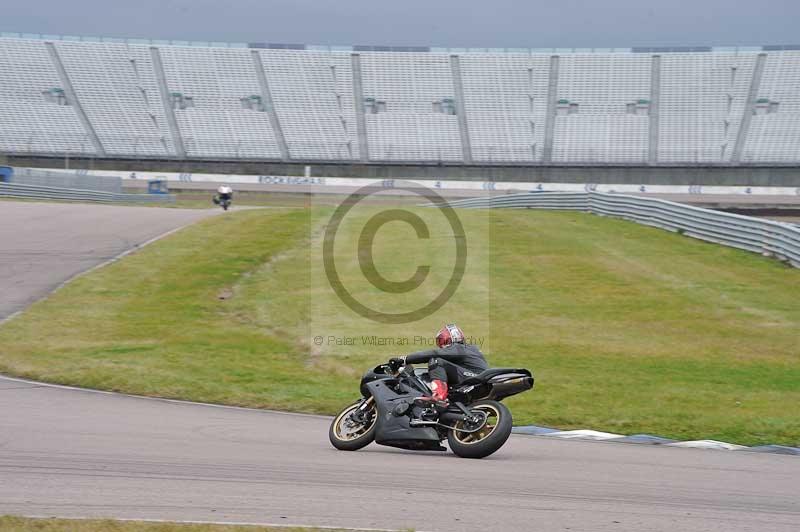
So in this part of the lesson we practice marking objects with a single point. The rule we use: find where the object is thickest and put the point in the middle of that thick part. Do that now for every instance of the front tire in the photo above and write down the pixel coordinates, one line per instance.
(489, 438)
(348, 435)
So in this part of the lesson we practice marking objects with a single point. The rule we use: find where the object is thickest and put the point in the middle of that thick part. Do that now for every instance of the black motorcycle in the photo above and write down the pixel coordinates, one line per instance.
(396, 410)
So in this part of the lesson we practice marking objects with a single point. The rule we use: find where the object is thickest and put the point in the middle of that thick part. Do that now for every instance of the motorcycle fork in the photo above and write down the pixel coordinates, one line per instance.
(358, 413)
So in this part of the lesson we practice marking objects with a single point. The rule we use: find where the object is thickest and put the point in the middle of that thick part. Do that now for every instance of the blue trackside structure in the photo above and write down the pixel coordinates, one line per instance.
(6, 174)
(157, 186)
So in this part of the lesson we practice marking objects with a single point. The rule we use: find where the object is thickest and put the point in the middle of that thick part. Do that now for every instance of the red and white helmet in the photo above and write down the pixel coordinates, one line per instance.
(448, 335)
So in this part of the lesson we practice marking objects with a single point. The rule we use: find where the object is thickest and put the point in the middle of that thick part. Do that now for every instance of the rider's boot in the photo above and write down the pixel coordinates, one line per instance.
(440, 390)
(438, 399)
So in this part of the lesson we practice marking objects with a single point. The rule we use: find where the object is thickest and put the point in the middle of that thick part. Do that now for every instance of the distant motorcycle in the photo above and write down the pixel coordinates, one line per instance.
(223, 200)
(391, 412)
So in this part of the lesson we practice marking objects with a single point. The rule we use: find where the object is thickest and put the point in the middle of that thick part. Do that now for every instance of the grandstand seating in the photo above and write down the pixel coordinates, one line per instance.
(409, 129)
(258, 102)
(118, 90)
(505, 97)
(217, 125)
(313, 97)
(703, 98)
(27, 122)
(775, 137)
(602, 85)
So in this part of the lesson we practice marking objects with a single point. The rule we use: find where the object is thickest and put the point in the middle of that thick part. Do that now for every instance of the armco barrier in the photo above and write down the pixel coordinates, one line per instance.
(774, 239)
(15, 190)
(59, 179)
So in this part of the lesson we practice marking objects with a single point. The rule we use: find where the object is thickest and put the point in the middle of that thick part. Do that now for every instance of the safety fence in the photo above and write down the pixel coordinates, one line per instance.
(769, 238)
(77, 180)
(17, 190)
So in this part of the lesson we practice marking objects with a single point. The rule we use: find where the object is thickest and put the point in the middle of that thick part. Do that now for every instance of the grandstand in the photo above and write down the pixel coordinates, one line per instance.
(123, 99)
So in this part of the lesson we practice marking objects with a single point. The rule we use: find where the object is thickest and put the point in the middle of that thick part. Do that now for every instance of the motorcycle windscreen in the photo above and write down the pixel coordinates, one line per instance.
(395, 431)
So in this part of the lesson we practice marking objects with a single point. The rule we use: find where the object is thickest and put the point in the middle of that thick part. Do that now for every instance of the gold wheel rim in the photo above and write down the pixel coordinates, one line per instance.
(470, 438)
(344, 418)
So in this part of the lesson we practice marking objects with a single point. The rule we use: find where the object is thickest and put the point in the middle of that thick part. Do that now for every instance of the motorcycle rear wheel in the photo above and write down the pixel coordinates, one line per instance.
(486, 440)
(347, 435)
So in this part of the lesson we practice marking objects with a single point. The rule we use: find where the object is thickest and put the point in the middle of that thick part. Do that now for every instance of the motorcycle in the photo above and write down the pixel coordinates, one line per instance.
(223, 200)
(392, 412)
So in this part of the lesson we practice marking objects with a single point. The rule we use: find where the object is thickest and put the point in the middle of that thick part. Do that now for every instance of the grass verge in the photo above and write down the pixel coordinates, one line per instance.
(627, 328)
(27, 524)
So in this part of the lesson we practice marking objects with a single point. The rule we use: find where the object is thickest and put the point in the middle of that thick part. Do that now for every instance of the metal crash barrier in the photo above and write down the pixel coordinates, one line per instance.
(24, 191)
(769, 238)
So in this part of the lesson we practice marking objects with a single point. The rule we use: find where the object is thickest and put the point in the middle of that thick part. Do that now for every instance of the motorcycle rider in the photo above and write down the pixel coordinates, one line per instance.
(224, 192)
(451, 362)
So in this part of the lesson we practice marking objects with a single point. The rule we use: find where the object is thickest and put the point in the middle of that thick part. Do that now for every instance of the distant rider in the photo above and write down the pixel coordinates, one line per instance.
(451, 362)
(224, 192)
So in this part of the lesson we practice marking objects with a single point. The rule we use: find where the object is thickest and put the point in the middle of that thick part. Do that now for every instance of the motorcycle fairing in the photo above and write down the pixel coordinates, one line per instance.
(395, 431)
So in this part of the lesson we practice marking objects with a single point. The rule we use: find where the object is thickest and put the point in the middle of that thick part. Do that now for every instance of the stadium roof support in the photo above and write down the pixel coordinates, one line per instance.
(169, 111)
(550, 118)
(461, 112)
(72, 99)
(358, 103)
(744, 125)
(266, 95)
(655, 96)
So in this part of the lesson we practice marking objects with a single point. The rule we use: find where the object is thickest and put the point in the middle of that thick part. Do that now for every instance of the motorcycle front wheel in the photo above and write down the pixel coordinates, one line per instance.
(348, 434)
(478, 442)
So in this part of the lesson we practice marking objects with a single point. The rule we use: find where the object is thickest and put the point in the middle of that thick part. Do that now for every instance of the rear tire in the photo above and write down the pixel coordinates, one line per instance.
(361, 436)
(482, 443)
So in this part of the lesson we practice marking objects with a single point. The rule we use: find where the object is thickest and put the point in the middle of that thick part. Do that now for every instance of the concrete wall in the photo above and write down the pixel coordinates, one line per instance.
(652, 175)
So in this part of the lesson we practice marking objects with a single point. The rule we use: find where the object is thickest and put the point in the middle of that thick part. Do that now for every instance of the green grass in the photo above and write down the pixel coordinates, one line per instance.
(25, 524)
(627, 328)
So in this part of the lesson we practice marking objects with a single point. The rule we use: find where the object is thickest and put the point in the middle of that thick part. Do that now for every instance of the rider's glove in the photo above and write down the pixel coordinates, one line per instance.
(396, 363)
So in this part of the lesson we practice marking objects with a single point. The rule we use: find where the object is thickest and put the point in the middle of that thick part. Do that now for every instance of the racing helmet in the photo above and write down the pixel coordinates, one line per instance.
(448, 335)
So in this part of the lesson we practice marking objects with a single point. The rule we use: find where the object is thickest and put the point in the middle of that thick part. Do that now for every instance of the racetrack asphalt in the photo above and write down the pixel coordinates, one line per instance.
(44, 244)
(73, 453)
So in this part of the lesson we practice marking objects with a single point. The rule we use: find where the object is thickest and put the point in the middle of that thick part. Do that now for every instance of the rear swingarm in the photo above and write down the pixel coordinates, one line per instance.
(450, 418)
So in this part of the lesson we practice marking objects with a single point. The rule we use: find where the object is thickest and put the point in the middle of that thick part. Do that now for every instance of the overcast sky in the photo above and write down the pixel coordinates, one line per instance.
(453, 23)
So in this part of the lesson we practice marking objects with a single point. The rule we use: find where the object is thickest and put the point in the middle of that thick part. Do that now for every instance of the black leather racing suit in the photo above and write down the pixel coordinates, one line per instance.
(451, 364)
